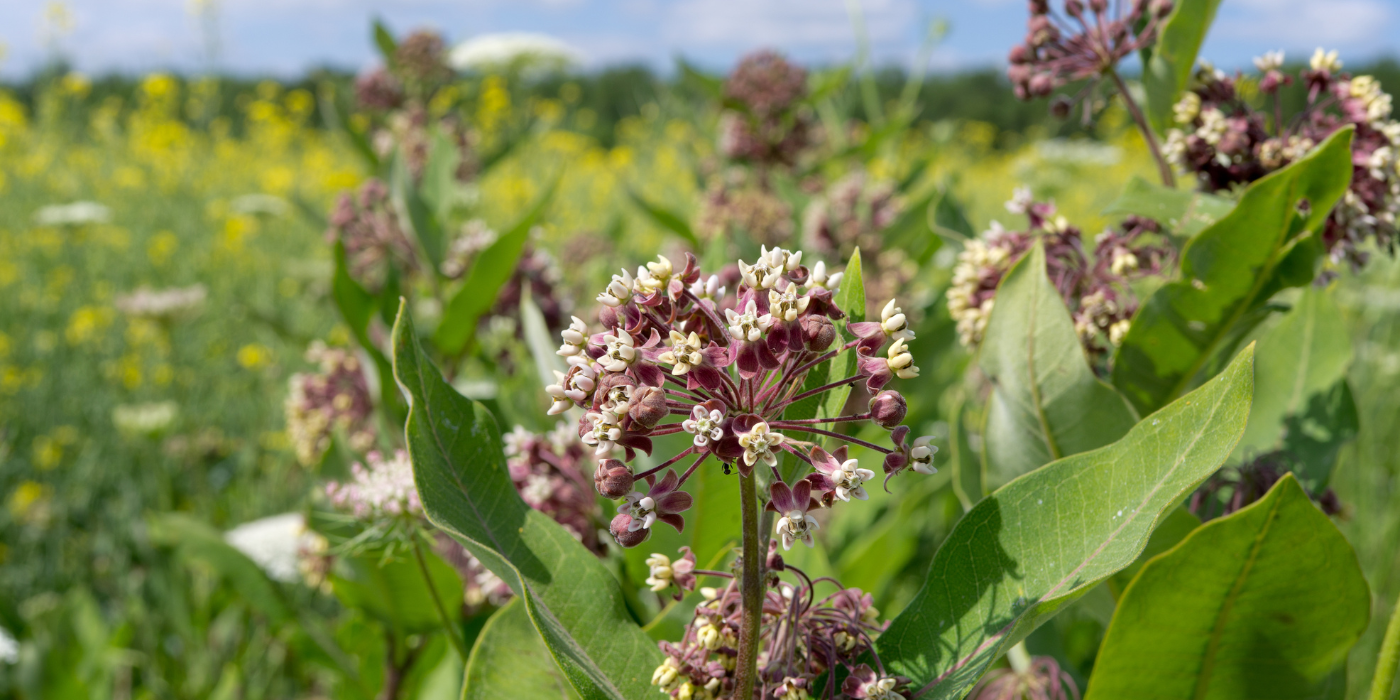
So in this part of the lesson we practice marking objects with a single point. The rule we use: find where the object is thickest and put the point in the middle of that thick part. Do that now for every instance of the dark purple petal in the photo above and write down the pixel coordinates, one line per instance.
(823, 461)
(674, 502)
(648, 374)
(747, 359)
(667, 485)
(780, 496)
(866, 329)
(802, 493)
(673, 520)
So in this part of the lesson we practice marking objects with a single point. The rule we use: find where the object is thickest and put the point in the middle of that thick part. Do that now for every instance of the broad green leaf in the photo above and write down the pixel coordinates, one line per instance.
(664, 218)
(1315, 436)
(1183, 213)
(1174, 528)
(384, 41)
(1043, 540)
(197, 541)
(537, 337)
(1168, 72)
(1304, 354)
(511, 661)
(1046, 402)
(969, 483)
(415, 216)
(850, 298)
(912, 233)
(489, 272)
(1227, 272)
(1264, 603)
(439, 186)
(393, 589)
(460, 470)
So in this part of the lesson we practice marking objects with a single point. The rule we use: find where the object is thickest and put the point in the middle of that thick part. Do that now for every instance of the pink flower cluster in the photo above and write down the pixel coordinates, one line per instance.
(1227, 142)
(550, 472)
(368, 226)
(764, 124)
(335, 398)
(1084, 41)
(384, 489)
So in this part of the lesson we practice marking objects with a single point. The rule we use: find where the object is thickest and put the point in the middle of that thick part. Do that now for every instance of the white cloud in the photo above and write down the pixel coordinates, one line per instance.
(1307, 23)
(784, 23)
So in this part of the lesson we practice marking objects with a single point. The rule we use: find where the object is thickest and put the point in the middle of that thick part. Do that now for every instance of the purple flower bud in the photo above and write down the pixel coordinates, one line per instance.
(1020, 54)
(887, 409)
(648, 407)
(1042, 84)
(818, 332)
(1061, 106)
(625, 537)
(613, 478)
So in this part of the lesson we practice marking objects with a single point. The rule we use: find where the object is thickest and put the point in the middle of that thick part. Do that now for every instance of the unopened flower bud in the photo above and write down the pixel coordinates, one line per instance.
(888, 408)
(625, 537)
(613, 478)
(648, 406)
(1061, 106)
(818, 332)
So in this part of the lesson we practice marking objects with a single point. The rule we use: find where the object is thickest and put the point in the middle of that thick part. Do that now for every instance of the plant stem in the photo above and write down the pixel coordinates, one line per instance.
(453, 633)
(1163, 167)
(750, 590)
(1389, 659)
(1019, 658)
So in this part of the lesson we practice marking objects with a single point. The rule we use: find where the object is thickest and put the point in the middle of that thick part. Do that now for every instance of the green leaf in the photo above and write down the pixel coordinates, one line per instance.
(392, 589)
(1314, 437)
(331, 114)
(510, 660)
(1046, 402)
(539, 340)
(1304, 354)
(384, 41)
(969, 483)
(664, 218)
(1264, 603)
(489, 272)
(1174, 57)
(711, 86)
(460, 470)
(439, 186)
(1227, 271)
(414, 214)
(1041, 541)
(1174, 528)
(357, 308)
(1183, 213)
(949, 220)
(197, 541)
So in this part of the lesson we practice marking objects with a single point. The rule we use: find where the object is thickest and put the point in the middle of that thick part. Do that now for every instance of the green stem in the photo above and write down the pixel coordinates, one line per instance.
(454, 634)
(1019, 658)
(1163, 168)
(1389, 659)
(750, 590)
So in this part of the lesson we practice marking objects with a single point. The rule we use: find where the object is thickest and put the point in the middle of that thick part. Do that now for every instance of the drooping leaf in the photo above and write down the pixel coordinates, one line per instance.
(197, 541)
(414, 214)
(1046, 402)
(1304, 354)
(1227, 272)
(1174, 528)
(1264, 603)
(1041, 541)
(1183, 213)
(489, 272)
(510, 660)
(573, 600)
(393, 590)
(1315, 436)
(1174, 57)
(665, 218)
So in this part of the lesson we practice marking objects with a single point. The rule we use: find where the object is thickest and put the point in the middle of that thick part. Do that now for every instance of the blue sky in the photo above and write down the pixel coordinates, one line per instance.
(285, 37)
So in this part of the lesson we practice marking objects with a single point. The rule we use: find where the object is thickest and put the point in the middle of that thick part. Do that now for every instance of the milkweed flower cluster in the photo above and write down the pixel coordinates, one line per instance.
(1084, 42)
(550, 472)
(162, 304)
(1096, 291)
(1227, 143)
(723, 367)
(382, 490)
(367, 225)
(737, 205)
(1042, 679)
(335, 398)
(805, 639)
(767, 127)
(854, 212)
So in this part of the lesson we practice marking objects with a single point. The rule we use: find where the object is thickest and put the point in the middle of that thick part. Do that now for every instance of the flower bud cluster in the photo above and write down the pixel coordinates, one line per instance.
(765, 124)
(1227, 142)
(366, 224)
(804, 640)
(1097, 294)
(723, 367)
(549, 471)
(334, 398)
(1084, 41)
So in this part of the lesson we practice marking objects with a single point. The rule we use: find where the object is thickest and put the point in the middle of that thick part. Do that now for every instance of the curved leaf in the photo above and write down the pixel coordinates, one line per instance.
(460, 470)
(1046, 402)
(664, 218)
(1264, 603)
(1228, 271)
(489, 272)
(1173, 58)
(1041, 541)
(511, 661)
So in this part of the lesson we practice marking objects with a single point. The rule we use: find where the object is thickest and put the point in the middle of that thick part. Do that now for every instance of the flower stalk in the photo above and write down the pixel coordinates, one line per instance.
(454, 633)
(750, 589)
